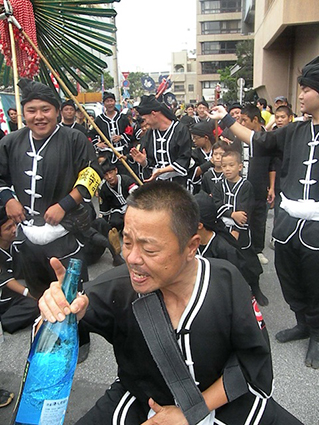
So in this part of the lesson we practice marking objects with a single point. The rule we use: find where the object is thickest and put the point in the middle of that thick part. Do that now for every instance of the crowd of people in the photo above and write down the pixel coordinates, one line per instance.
(192, 236)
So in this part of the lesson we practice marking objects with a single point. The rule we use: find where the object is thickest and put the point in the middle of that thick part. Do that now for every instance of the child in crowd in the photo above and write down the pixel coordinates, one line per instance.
(215, 173)
(216, 242)
(234, 199)
(201, 161)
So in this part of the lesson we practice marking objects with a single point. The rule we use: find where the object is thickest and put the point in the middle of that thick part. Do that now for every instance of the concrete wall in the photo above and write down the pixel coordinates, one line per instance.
(286, 38)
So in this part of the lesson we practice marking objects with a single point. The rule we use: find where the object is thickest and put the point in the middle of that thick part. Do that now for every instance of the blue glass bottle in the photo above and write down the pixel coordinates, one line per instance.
(51, 363)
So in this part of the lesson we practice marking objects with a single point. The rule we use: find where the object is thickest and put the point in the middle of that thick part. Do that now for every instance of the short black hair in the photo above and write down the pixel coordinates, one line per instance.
(173, 198)
(285, 109)
(262, 101)
(252, 111)
(234, 154)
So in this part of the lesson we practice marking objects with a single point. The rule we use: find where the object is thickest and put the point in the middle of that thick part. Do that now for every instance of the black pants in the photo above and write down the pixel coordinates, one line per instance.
(298, 270)
(257, 225)
(17, 313)
(117, 406)
(35, 262)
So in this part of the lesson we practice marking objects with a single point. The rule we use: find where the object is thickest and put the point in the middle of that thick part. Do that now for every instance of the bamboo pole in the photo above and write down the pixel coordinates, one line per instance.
(15, 75)
(91, 121)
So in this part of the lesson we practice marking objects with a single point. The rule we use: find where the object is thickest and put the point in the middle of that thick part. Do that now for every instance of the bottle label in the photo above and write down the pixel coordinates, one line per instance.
(53, 411)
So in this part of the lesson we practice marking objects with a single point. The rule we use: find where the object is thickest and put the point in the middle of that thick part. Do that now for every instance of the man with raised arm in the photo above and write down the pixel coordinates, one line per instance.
(297, 225)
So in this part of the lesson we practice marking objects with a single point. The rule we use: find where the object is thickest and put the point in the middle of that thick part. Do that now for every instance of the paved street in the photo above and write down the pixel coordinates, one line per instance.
(296, 386)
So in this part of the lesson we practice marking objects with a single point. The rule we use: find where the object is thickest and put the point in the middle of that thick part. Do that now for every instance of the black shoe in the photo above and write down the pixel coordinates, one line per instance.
(298, 332)
(118, 260)
(83, 352)
(312, 357)
(5, 398)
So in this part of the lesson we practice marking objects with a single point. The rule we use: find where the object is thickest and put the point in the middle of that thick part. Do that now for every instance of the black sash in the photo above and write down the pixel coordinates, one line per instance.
(159, 336)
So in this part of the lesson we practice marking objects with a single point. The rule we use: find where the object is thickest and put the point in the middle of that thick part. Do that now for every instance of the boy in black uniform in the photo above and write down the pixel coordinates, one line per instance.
(215, 173)
(234, 199)
(201, 161)
(113, 194)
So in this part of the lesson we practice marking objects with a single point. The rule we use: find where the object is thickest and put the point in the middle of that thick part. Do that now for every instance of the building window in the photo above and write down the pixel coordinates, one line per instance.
(179, 68)
(220, 6)
(209, 84)
(179, 87)
(190, 87)
(212, 67)
(220, 27)
(218, 47)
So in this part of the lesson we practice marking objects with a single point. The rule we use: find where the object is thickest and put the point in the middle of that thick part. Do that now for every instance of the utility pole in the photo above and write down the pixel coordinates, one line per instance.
(117, 91)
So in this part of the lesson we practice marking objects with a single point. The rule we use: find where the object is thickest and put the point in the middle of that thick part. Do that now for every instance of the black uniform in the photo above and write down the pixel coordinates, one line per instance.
(170, 147)
(219, 321)
(118, 125)
(201, 159)
(113, 200)
(296, 229)
(43, 172)
(210, 178)
(239, 196)
(16, 311)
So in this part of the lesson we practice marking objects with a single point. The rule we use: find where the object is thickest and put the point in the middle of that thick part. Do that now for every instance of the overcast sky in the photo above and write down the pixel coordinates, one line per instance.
(150, 30)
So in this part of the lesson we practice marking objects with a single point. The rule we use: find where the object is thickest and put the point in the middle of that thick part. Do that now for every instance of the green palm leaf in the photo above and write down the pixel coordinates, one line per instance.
(69, 34)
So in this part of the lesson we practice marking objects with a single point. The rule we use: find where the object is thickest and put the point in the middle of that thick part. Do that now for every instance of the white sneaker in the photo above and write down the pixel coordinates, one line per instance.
(262, 259)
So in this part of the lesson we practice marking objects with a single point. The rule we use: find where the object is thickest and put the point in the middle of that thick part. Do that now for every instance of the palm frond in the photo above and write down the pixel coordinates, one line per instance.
(72, 36)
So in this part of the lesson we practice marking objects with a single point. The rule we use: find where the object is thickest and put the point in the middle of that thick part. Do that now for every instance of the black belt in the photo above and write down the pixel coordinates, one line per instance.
(159, 336)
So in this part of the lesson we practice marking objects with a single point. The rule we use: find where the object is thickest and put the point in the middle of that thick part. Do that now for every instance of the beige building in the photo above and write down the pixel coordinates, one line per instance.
(286, 38)
(219, 28)
(183, 75)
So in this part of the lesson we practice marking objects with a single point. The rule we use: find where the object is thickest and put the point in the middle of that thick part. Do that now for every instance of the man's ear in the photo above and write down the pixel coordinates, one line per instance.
(200, 226)
(192, 246)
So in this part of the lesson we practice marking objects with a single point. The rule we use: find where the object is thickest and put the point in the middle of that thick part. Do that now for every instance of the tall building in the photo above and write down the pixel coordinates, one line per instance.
(286, 38)
(219, 29)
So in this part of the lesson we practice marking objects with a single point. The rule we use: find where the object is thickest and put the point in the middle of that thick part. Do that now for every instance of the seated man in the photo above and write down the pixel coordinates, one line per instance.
(204, 309)
(18, 309)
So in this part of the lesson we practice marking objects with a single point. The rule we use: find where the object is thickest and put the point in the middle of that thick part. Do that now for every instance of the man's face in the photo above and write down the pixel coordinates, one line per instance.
(109, 104)
(111, 177)
(151, 251)
(246, 121)
(231, 168)
(309, 100)
(151, 120)
(68, 113)
(235, 113)
(282, 119)
(201, 109)
(8, 231)
(41, 117)
(13, 115)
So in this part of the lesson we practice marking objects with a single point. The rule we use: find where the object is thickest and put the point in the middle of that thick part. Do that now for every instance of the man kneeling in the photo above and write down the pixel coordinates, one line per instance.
(203, 309)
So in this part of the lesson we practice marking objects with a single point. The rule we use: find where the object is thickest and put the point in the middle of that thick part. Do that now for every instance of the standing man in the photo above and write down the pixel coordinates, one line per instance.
(117, 130)
(166, 148)
(202, 307)
(297, 224)
(68, 119)
(45, 172)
